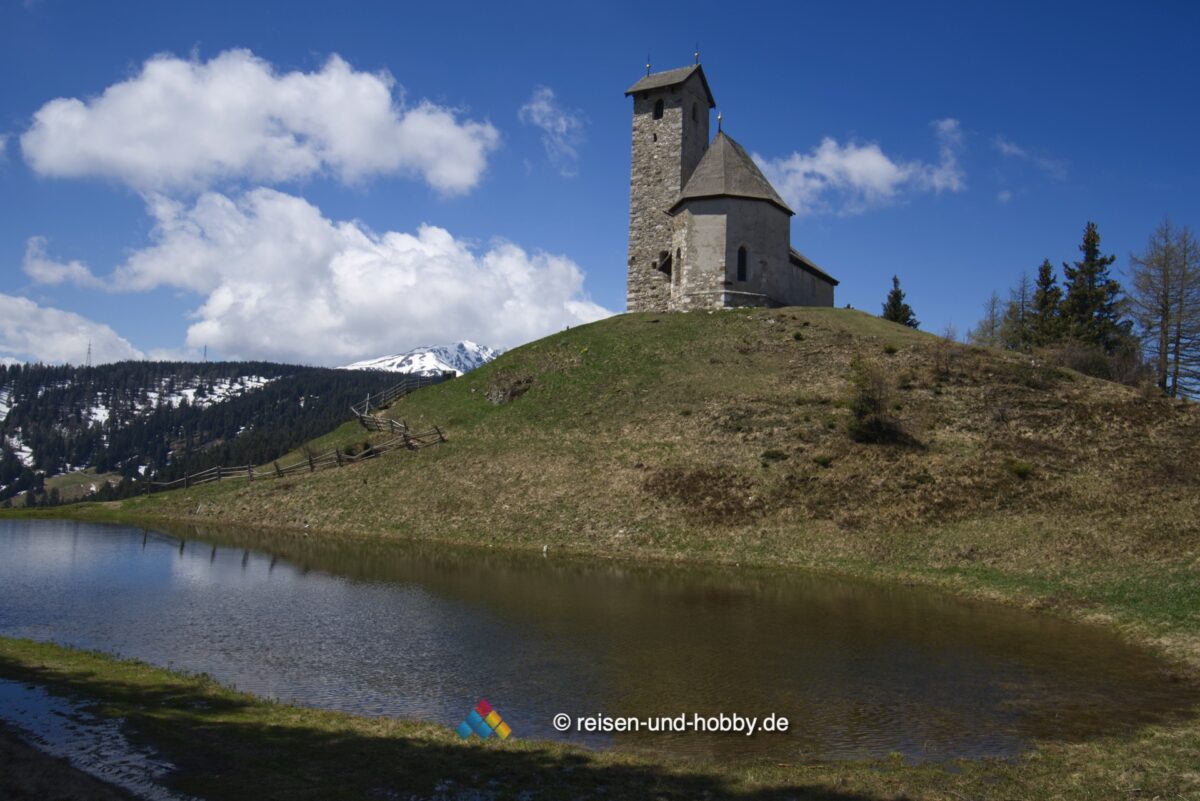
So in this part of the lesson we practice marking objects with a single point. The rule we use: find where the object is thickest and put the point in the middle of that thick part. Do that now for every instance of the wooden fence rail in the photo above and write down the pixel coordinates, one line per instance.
(381, 400)
(309, 464)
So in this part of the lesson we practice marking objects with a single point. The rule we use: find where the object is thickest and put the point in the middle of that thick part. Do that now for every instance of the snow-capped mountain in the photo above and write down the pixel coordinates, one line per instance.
(461, 357)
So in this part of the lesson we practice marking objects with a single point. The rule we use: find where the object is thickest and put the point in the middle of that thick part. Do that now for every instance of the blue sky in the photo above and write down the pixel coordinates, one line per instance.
(269, 204)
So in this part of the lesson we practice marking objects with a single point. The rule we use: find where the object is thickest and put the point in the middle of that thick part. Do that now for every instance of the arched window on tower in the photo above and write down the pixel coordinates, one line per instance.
(658, 109)
(743, 257)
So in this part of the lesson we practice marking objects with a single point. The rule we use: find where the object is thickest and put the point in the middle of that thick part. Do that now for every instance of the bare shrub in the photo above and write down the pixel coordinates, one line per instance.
(1125, 365)
(870, 403)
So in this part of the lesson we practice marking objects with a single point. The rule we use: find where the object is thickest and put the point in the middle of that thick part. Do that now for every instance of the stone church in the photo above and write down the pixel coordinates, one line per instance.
(706, 228)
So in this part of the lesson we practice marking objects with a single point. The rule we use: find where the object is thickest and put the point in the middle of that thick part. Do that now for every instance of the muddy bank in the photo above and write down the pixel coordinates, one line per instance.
(27, 773)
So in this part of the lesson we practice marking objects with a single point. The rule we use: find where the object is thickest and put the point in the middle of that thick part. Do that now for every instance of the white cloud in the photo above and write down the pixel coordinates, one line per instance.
(562, 129)
(29, 332)
(45, 270)
(1054, 168)
(283, 282)
(852, 178)
(184, 124)
(3, 148)
(1004, 195)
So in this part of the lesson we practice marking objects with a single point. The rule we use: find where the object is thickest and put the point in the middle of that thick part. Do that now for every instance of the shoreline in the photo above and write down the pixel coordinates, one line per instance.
(1032, 775)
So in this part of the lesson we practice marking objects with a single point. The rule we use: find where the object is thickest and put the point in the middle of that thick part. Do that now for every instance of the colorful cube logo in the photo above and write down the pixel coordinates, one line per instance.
(485, 722)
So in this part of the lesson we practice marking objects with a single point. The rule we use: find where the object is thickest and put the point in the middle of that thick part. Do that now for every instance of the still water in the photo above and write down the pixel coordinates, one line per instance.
(859, 669)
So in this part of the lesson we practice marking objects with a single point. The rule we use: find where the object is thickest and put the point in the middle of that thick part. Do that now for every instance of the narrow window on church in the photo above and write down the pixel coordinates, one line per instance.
(741, 268)
(658, 110)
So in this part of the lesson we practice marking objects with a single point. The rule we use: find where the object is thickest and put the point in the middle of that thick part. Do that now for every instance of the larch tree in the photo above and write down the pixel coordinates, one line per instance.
(987, 331)
(1166, 306)
(1016, 331)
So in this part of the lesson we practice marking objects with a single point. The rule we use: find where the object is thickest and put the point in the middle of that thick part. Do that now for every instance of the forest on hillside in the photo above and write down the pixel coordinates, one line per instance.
(159, 419)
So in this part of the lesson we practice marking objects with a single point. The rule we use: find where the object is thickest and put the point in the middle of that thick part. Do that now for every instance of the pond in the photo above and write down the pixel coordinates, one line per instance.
(858, 669)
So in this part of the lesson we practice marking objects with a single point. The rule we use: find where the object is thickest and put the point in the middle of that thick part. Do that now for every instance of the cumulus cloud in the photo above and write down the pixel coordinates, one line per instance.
(183, 124)
(281, 281)
(44, 270)
(562, 129)
(29, 332)
(852, 178)
(1052, 167)
(3, 148)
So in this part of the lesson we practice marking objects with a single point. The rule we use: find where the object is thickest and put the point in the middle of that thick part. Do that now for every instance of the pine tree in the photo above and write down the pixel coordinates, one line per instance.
(1045, 321)
(896, 310)
(1092, 308)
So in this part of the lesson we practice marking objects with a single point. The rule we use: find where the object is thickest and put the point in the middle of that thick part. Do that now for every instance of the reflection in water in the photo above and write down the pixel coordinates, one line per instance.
(859, 669)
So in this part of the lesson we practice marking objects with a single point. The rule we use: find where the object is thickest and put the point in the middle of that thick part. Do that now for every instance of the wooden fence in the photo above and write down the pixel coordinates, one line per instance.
(309, 464)
(381, 400)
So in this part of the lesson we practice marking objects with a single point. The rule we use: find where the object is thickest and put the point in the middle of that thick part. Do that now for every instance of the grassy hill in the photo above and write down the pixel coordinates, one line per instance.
(726, 437)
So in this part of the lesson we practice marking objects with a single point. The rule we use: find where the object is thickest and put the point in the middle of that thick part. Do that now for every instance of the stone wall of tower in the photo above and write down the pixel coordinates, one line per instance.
(664, 154)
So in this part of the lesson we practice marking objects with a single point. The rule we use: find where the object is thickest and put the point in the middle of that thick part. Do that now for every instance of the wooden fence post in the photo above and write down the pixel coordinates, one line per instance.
(249, 472)
(338, 453)
(278, 472)
(311, 467)
(185, 481)
(218, 472)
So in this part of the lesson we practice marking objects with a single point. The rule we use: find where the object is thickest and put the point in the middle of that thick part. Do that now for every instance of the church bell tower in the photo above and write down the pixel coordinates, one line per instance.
(670, 135)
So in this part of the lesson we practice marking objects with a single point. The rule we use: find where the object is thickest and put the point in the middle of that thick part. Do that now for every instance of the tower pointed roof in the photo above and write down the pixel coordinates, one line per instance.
(726, 170)
(662, 80)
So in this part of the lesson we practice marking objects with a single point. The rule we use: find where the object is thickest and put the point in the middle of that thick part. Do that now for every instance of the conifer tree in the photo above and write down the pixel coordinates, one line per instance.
(1092, 307)
(1045, 322)
(896, 310)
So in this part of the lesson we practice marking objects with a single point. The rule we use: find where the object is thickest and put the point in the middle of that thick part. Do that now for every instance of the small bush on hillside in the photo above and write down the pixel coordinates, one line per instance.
(890, 350)
(870, 407)
(772, 455)
(1125, 365)
(1021, 470)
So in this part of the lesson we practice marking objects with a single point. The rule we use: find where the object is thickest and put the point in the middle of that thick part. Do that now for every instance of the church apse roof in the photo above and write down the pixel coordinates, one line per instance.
(662, 80)
(726, 170)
